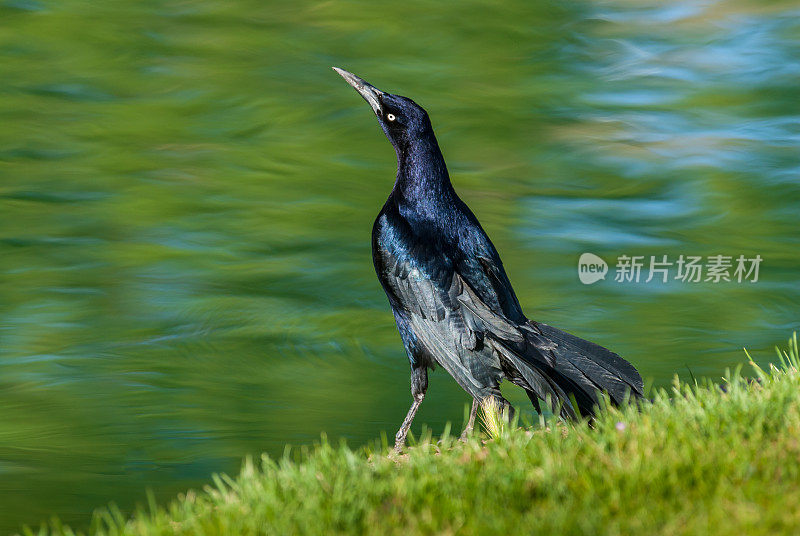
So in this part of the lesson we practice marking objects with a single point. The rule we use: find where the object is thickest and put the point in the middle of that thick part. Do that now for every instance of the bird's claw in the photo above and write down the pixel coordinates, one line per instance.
(399, 443)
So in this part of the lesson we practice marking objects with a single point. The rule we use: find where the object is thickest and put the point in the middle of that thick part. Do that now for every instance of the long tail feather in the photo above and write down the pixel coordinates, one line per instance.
(607, 369)
(580, 371)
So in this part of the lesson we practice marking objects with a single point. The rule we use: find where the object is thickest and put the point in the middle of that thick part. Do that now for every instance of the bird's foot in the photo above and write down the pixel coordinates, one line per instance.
(470, 421)
(399, 443)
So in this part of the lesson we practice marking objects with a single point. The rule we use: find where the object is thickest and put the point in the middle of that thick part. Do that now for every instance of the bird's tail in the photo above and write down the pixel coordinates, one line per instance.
(569, 372)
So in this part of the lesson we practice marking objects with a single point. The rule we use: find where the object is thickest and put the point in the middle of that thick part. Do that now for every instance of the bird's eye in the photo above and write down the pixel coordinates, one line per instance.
(390, 117)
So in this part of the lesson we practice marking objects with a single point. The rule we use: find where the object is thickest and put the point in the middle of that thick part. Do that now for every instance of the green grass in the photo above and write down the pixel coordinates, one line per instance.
(698, 460)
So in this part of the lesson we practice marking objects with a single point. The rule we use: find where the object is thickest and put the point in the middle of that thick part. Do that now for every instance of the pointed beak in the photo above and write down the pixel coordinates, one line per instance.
(366, 90)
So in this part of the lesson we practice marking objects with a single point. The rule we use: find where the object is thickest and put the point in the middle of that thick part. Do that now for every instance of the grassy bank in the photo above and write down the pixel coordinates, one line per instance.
(699, 460)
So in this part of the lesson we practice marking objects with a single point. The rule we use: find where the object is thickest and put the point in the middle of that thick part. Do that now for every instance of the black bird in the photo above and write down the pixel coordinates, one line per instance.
(451, 298)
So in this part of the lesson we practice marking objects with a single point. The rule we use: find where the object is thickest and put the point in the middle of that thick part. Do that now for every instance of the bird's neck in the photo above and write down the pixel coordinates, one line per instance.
(422, 174)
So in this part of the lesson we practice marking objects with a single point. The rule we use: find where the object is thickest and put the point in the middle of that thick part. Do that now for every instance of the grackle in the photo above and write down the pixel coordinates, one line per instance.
(451, 298)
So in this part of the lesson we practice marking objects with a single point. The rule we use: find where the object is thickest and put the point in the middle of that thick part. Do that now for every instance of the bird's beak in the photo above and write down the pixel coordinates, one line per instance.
(366, 90)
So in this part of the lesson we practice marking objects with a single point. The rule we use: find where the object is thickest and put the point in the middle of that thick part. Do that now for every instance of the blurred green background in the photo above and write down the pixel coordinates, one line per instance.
(187, 192)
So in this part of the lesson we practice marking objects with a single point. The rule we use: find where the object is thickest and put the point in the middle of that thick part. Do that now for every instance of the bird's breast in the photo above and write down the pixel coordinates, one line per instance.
(411, 265)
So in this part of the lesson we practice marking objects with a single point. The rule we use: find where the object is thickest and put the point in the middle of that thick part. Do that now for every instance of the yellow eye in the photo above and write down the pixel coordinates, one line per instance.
(390, 117)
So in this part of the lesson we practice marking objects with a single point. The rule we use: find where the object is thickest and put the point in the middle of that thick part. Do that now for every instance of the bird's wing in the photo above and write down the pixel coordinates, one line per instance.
(525, 357)
(573, 366)
(444, 321)
(434, 329)
(450, 311)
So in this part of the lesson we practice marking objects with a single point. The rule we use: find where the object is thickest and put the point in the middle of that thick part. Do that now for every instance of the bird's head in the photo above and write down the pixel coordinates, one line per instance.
(402, 119)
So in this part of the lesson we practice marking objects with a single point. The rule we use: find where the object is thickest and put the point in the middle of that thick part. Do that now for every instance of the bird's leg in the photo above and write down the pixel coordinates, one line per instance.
(471, 421)
(507, 410)
(400, 437)
(419, 384)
